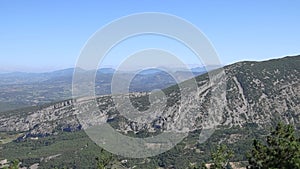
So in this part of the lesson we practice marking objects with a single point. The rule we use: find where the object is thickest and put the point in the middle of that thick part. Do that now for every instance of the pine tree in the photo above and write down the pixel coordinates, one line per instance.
(104, 160)
(221, 157)
(281, 151)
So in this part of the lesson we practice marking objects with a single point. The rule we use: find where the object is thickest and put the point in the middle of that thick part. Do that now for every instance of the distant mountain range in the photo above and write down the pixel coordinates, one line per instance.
(25, 77)
(19, 89)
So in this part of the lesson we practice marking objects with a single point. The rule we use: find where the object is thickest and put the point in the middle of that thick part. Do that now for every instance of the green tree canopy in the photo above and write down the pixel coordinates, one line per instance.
(104, 161)
(281, 150)
(220, 159)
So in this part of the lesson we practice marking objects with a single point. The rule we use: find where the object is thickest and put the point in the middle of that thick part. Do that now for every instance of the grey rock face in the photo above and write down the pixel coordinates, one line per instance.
(256, 92)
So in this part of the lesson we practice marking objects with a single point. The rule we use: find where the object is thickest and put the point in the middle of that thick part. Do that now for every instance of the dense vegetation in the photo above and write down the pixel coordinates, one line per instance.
(281, 150)
(278, 150)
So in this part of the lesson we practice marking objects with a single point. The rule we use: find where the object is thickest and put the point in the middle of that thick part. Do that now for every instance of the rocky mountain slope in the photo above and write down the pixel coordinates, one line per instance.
(256, 92)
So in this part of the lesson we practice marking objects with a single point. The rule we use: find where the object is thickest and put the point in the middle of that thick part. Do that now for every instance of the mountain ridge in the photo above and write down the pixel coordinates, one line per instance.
(270, 87)
(258, 95)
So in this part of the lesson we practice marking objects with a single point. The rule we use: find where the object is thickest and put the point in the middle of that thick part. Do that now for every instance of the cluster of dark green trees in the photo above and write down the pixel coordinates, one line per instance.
(280, 150)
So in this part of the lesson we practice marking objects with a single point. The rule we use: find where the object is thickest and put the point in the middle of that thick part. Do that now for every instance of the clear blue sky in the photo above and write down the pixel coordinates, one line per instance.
(48, 35)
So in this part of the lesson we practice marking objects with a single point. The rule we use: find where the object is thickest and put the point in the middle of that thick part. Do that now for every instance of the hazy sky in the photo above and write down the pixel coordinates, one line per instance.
(48, 35)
